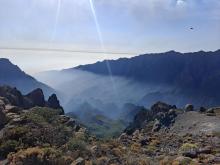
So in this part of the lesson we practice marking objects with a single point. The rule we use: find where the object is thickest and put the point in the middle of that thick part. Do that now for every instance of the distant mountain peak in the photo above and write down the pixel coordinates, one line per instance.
(172, 51)
(5, 60)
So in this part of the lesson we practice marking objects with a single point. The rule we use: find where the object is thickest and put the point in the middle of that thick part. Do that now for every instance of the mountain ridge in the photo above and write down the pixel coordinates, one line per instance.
(12, 75)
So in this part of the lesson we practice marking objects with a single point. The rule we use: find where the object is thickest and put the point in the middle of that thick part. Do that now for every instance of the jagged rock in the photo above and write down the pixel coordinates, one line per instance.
(157, 126)
(3, 118)
(202, 109)
(144, 141)
(12, 109)
(211, 110)
(216, 159)
(35, 98)
(54, 103)
(205, 150)
(71, 122)
(16, 120)
(94, 149)
(123, 137)
(63, 118)
(141, 117)
(163, 112)
(12, 115)
(189, 107)
(160, 115)
(190, 154)
(12, 95)
(2, 104)
(161, 107)
(136, 133)
(79, 161)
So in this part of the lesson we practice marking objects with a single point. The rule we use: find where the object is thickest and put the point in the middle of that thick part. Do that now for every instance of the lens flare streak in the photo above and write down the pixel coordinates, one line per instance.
(102, 44)
(56, 21)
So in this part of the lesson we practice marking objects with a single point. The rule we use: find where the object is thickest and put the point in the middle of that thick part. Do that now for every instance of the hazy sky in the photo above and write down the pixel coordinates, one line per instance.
(133, 26)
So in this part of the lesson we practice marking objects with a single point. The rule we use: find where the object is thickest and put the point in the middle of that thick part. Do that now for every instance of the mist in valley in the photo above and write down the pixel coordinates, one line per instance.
(106, 94)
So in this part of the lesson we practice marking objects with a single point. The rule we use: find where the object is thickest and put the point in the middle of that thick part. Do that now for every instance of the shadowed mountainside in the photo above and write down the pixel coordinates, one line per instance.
(190, 77)
(189, 74)
(12, 75)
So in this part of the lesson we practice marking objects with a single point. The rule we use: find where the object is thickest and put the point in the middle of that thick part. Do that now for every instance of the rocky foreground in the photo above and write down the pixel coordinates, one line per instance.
(35, 131)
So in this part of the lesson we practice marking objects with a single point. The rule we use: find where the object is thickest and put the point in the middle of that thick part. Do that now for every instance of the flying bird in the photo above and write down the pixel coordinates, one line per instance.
(191, 28)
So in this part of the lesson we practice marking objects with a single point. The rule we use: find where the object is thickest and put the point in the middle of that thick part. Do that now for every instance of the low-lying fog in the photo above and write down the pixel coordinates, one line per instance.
(104, 93)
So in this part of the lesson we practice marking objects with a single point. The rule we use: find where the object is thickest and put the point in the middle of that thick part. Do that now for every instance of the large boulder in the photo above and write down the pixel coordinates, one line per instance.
(35, 98)
(164, 113)
(161, 107)
(157, 126)
(2, 114)
(2, 104)
(143, 116)
(189, 107)
(12, 95)
(54, 103)
(202, 109)
(2, 118)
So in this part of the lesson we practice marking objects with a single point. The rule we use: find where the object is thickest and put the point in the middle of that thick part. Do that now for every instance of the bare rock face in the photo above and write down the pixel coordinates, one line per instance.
(161, 107)
(164, 115)
(157, 126)
(35, 98)
(189, 107)
(2, 104)
(2, 114)
(2, 118)
(12, 95)
(54, 103)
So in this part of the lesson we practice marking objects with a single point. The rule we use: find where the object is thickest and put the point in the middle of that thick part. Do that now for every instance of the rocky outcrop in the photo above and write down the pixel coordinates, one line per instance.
(161, 107)
(32, 99)
(54, 103)
(2, 115)
(178, 136)
(35, 98)
(161, 115)
(12, 95)
(189, 107)
(41, 136)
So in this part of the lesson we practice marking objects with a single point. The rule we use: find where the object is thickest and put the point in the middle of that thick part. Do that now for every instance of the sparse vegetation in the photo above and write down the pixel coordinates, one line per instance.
(41, 135)
(188, 147)
(8, 146)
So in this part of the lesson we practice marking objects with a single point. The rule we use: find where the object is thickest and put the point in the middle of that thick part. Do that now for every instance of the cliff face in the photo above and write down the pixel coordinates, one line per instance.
(191, 77)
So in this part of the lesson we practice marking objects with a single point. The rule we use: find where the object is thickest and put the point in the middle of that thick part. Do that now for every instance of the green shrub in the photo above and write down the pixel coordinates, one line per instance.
(42, 114)
(34, 117)
(188, 147)
(76, 144)
(15, 133)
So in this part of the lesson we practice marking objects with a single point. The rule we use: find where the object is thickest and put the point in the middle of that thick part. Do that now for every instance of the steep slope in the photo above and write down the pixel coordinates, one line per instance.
(12, 75)
(168, 68)
(195, 76)
(36, 135)
(172, 77)
(40, 135)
